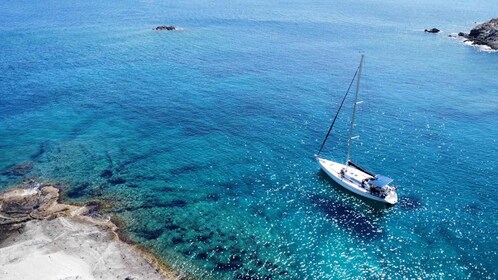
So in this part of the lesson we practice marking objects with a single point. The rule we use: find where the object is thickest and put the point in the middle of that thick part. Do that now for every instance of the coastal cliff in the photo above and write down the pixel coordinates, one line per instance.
(41, 238)
(484, 34)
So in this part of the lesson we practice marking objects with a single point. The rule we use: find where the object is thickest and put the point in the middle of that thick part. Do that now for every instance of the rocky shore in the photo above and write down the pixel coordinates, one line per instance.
(41, 238)
(484, 34)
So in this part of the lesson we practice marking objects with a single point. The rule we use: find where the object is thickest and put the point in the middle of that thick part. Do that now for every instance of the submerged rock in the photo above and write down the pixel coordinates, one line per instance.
(107, 173)
(432, 30)
(19, 169)
(484, 34)
(165, 27)
(117, 181)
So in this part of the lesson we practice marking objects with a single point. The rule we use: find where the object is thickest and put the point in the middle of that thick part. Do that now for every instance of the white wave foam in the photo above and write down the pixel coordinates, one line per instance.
(482, 48)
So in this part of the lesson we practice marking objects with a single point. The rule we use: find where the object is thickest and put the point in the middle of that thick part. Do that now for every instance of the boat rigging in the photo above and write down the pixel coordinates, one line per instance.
(350, 175)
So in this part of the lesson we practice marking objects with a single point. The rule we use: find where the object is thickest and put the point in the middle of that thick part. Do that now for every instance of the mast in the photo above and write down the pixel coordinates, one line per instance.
(354, 110)
(337, 114)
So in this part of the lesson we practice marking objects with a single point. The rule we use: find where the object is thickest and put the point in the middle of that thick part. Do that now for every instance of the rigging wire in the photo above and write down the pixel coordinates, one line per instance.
(337, 114)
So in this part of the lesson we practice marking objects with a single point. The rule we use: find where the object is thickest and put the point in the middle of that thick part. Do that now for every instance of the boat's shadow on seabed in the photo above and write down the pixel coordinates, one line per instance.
(354, 220)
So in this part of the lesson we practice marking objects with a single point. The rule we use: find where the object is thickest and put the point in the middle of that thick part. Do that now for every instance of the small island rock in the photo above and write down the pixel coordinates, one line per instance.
(484, 34)
(165, 27)
(433, 30)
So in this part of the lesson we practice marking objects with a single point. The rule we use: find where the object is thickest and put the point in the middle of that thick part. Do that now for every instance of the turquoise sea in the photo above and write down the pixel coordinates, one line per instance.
(203, 138)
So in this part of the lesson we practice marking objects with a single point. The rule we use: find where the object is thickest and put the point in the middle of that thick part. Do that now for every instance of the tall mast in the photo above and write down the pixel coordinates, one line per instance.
(354, 110)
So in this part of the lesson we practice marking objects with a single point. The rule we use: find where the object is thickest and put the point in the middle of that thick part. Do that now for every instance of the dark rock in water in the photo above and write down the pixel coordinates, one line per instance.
(433, 30)
(461, 34)
(172, 227)
(187, 169)
(283, 272)
(168, 189)
(202, 238)
(107, 173)
(177, 240)
(202, 256)
(19, 169)
(151, 234)
(117, 181)
(484, 34)
(177, 203)
(41, 151)
(234, 263)
(165, 27)
(78, 190)
(218, 249)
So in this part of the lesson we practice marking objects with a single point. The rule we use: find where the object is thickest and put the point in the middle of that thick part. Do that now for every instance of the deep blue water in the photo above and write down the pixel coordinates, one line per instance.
(203, 138)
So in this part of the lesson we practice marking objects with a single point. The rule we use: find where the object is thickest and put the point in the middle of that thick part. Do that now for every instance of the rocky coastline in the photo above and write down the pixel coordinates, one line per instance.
(43, 238)
(485, 34)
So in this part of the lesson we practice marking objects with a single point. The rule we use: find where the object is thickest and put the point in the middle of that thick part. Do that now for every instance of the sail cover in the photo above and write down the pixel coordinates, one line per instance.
(380, 181)
(350, 163)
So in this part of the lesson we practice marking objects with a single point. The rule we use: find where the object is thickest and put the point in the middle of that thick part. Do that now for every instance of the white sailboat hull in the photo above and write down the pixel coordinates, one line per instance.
(351, 180)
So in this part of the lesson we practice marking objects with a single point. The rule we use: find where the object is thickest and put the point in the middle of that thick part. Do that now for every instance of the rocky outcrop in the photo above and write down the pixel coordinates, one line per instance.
(52, 240)
(484, 34)
(33, 202)
(432, 30)
(165, 27)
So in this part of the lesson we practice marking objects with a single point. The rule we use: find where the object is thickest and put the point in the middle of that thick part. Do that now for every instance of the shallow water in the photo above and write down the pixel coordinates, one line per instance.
(203, 138)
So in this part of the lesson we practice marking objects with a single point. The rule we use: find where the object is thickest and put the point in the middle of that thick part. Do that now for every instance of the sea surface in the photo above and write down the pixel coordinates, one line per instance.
(202, 139)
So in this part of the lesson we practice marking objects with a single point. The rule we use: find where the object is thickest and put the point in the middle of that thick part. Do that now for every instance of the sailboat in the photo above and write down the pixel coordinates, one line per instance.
(350, 175)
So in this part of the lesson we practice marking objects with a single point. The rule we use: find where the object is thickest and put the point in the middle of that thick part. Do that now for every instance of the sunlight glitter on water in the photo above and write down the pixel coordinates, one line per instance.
(203, 139)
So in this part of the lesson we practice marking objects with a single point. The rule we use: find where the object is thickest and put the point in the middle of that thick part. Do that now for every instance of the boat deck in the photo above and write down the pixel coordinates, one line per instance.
(352, 180)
